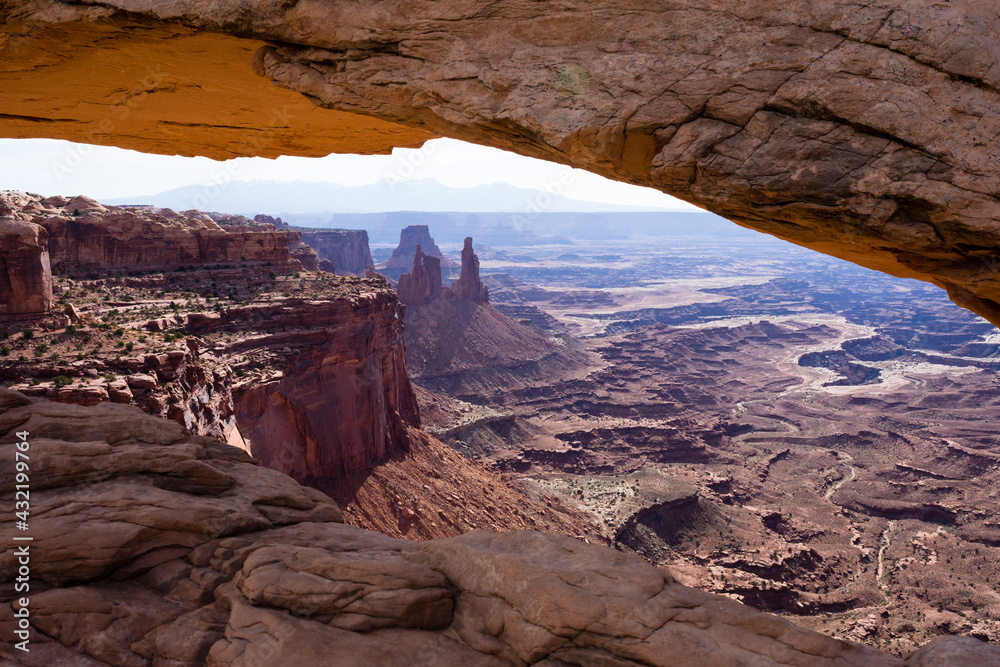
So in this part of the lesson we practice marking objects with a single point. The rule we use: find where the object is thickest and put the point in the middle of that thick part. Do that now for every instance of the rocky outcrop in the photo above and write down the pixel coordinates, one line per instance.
(411, 238)
(270, 220)
(85, 235)
(182, 550)
(423, 283)
(25, 276)
(469, 286)
(303, 252)
(346, 249)
(342, 400)
(454, 334)
(863, 133)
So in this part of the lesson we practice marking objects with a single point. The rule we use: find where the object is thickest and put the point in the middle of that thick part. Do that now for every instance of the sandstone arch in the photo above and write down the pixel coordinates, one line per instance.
(863, 130)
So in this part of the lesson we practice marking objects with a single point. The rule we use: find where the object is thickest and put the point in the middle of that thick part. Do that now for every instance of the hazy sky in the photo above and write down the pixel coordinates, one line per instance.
(51, 167)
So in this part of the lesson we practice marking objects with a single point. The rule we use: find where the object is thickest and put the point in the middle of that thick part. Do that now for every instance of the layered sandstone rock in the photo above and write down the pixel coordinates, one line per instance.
(454, 334)
(469, 285)
(84, 235)
(270, 220)
(410, 239)
(342, 401)
(25, 275)
(866, 133)
(423, 283)
(303, 252)
(182, 550)
(346, 249)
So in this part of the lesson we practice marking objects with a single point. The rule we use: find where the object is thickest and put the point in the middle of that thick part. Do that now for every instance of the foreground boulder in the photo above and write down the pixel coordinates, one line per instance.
(152, 546)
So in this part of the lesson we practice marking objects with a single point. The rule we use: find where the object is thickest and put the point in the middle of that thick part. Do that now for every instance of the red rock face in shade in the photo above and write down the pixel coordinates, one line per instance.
(423, 282)
(346, 249)
(25, 276)
(303, 252)
(83, 234)
(343, 401)
(469, 286)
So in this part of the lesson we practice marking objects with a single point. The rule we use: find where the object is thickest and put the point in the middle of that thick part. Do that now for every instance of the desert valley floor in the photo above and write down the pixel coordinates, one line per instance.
(806, 436)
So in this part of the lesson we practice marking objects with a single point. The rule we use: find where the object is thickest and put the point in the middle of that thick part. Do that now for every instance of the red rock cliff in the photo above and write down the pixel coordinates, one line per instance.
(343, 400)
(25, 277)
(83, 234)
(468, 285)
(423, 282)
(347, 249)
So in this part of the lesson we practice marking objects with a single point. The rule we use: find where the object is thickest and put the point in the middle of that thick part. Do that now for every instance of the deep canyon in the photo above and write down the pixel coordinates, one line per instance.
(697, 448)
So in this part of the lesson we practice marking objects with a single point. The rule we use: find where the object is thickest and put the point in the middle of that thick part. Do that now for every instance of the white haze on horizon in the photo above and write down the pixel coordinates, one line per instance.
(50, 167)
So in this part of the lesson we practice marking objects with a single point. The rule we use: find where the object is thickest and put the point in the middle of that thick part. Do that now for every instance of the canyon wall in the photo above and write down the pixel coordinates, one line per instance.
(124, 240)
(123, 580)
(81, 235)
(25, 275)
(864, 132)
(342, 401)
(346, 249)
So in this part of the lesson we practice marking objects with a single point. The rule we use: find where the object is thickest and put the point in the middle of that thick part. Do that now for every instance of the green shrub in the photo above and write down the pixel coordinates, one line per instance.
(61, 381)
(119, 332)
(70, 329)
(27, 334)
(4, 351)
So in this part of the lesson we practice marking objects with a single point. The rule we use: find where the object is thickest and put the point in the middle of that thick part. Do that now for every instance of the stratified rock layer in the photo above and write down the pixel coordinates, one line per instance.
(151, 546)
(866, 132)
(83, 235)
(347, 249)
(423, 283)
(469, 285)
(25, 274)
(342, 401)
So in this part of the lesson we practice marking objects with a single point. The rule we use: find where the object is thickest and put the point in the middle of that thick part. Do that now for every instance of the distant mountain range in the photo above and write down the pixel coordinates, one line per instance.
(494, 214)
(298, 198)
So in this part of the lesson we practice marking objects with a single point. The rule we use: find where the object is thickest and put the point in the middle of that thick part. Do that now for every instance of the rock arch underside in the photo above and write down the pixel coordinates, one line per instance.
(864, 130)
(868, 131)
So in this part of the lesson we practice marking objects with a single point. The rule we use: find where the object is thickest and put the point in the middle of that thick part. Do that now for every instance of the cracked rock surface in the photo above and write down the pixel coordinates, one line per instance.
(863, 130)
(152, 546)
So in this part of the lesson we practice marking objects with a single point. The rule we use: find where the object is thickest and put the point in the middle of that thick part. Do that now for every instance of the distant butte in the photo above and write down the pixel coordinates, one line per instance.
(411, 238)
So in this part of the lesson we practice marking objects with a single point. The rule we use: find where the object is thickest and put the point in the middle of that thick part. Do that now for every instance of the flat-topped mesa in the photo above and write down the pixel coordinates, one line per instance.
(469, 285)
(423, 283)
(85, 235)
(410, 238)
(345, 249)
(25, 275)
